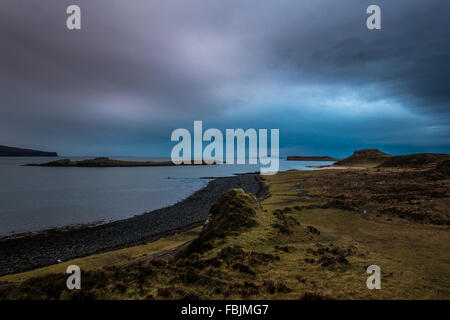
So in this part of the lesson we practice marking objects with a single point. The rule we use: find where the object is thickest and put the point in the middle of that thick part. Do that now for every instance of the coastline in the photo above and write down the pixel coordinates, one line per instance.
(29, 251)
(331, 167)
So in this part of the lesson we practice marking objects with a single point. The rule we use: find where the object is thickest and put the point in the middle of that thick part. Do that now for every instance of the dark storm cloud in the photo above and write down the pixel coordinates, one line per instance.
(138, 69)
(409, 58)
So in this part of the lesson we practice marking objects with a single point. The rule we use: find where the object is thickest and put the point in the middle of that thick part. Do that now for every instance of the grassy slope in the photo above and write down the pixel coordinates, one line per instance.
(414, 258)
(120, 257)
(282, 257)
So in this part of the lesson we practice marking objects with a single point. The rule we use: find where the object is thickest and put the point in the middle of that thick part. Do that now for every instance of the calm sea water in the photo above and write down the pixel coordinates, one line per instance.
(37, 198)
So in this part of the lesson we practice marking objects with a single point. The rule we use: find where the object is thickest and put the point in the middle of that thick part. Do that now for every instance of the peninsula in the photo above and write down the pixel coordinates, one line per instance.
(19, 152)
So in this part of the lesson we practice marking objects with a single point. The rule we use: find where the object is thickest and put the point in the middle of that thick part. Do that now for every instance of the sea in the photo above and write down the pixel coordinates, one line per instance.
(39, 198)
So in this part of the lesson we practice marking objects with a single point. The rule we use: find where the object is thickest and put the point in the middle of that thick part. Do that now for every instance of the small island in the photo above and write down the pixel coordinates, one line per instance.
(104, 162)
(311, 158)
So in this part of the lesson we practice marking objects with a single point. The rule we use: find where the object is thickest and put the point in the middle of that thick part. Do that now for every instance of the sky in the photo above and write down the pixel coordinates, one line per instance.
(139, 69)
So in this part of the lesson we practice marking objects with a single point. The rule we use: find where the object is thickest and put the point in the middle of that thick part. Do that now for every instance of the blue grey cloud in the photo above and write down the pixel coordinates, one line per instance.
(139, 69)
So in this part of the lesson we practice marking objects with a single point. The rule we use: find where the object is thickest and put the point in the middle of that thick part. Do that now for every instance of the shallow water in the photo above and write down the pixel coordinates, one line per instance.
(36, 198)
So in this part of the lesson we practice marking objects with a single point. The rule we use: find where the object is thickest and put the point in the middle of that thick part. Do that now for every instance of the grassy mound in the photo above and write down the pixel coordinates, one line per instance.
(232, 213)
(364, 158)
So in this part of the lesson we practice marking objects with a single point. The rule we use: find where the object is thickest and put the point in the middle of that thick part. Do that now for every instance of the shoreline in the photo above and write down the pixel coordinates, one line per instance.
(25, 252)
(333, 167)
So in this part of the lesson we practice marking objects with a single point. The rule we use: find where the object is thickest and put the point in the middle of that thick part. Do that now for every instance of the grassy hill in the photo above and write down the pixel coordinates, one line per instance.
(364, 158)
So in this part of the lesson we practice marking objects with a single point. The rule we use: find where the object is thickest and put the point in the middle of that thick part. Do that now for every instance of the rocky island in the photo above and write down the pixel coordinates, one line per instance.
(310, 158)
(102, 162)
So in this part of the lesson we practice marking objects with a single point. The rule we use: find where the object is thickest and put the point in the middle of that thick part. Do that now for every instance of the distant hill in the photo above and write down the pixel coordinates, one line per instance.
(311, 158)
(374, 158)
(19, 152)
(365, 158)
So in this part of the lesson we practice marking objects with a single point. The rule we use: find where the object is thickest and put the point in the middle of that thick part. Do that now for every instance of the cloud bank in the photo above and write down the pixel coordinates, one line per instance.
(139, 69)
